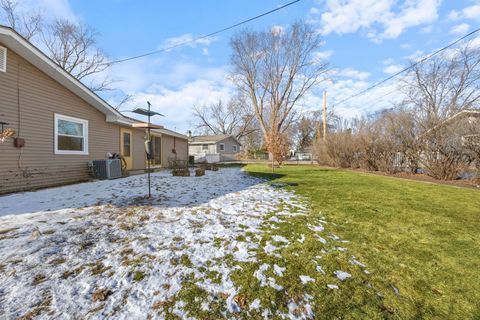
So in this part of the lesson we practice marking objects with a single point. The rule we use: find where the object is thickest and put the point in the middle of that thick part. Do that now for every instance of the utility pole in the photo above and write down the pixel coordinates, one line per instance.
(324, 115)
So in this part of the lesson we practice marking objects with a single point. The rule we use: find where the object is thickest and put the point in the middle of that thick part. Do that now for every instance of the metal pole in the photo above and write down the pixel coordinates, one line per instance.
(148, 156)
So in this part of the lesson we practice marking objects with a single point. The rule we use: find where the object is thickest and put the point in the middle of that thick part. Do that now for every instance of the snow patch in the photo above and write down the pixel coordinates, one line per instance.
(279, 270)
(342, 275)
(255, 304)
(280, 239)
(306, 279)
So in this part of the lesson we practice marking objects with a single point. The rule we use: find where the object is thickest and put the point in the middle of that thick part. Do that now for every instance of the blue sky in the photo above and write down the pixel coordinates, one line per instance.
(365, 41)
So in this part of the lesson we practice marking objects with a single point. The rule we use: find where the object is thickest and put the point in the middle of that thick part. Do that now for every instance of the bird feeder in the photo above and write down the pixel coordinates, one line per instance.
(148, 146)
(5, 133)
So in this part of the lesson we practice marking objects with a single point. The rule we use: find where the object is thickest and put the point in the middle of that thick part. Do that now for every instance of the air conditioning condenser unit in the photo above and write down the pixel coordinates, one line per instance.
(107, 169)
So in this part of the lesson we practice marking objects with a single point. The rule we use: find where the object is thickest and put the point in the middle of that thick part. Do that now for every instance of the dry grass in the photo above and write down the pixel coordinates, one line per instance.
(39, 278)
(101, 294)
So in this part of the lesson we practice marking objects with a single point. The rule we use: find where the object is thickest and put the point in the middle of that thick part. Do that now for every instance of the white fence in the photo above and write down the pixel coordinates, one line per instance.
(207, 157)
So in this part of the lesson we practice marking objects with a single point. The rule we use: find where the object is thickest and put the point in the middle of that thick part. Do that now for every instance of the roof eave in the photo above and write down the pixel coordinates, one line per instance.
(36, 57)
(202, 142)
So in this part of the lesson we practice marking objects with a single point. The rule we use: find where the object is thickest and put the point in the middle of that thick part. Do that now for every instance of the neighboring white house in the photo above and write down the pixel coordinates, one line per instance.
(214, 148)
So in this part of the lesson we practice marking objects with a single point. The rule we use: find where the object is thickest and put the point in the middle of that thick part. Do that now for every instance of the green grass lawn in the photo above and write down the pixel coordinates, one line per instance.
(420, 242)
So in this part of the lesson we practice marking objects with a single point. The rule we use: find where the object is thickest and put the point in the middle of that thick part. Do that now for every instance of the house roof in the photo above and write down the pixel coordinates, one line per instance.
(171, 133)
(210, 139)
(35, 56)
(464, 113)
(130, 121)
(475, 113)
(457, 116)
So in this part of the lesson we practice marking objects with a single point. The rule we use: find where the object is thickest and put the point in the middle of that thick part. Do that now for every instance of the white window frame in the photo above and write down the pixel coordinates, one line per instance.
(203, 145)
(234, 148)
(85, 134)
(222, 146)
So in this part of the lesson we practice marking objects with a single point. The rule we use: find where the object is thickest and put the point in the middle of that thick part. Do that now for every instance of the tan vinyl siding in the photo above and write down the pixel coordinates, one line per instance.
(28, 101)
(168, 143)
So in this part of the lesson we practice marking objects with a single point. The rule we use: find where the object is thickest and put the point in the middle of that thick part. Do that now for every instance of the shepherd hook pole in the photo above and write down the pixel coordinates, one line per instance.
(148, 155)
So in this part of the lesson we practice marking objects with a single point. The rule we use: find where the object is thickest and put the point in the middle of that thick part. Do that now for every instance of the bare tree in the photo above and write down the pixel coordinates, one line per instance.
(438, 89)
(275, 69)
(28, 25)
(305, 130)
(436, 127)
(401, 130)
(72, 46)
(444, 85)
(233, 118)
(125, 99)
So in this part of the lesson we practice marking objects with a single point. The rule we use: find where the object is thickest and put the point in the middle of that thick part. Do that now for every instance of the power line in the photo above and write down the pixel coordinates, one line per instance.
(201, 37)
(368, 104)
(407, 68)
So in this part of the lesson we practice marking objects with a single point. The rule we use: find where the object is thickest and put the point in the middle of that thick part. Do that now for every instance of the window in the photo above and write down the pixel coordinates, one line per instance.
(471, 140)
(234, 148)
(222, 147)
(204, 146)
(71, 135)
(126, 144)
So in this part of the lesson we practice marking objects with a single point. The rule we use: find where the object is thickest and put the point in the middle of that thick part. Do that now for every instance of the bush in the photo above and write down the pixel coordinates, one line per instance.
(338, 150)
(277, 144)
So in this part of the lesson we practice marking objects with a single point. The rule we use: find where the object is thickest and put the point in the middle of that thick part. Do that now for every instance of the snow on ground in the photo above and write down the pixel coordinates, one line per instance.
(167, 191)
(101, 249)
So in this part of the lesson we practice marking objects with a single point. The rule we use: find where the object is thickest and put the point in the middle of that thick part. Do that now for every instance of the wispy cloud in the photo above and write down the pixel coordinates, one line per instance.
(177, 104)
(323, 55)
(381, 19)
(188, 39)
(392, 69)
(388, 61)
(471, 12)
(172, 88)
(352, 73)
(460, 29)
(50, 9)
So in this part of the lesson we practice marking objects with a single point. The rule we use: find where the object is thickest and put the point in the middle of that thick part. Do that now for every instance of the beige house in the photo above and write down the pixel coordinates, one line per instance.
(214, 148)
(61, 124)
